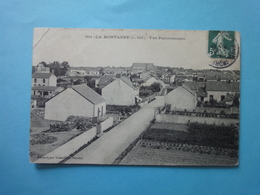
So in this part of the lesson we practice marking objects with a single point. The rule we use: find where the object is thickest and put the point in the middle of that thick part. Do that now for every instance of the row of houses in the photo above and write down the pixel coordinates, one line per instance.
(185, 97)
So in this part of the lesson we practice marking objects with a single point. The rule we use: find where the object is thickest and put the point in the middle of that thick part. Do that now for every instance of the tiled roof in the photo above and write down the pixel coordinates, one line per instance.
(45, 88)
(147, 78)
(222, 86)
(88, 94)
(104, 80)
(41, 75)
(188, 89)
(201, 92)
(194, 85)
(127, 81)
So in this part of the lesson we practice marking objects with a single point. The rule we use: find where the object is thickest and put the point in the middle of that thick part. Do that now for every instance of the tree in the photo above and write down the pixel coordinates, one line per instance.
(156, 87)
(60, 69)
(101, 71)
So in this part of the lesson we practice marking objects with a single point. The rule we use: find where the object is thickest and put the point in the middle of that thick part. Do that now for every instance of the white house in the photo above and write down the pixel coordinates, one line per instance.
(181, 98)
(219, 90)
(44, 79)
(172, 78)
(120, 92)
(149, 80)
(45, 91)
(40, 68)
(76, 71)
(79, 100)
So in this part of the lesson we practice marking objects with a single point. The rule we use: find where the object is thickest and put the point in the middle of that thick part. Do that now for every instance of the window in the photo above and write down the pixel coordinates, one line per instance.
(211, 97)
(43, 80)
(102, 111)
(222, 98)
(35, 80)
(98, 111)
(45, 93)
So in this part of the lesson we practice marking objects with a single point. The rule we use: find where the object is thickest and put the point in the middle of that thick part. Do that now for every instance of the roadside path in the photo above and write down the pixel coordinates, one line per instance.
(108, 147)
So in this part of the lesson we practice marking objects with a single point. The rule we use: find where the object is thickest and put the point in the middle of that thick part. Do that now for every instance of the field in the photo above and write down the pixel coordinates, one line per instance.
(194, 144)
(151, 156)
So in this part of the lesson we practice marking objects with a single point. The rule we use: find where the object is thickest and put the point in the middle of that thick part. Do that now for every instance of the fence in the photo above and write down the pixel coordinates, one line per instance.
(165, 118)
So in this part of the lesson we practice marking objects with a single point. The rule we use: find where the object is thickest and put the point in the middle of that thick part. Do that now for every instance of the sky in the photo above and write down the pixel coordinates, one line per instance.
(123, 47)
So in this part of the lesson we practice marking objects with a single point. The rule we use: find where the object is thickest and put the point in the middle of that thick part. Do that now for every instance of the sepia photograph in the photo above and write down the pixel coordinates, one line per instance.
(135, 97)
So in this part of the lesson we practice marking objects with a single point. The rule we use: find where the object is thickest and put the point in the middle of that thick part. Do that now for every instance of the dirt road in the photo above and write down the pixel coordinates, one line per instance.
(108, 147)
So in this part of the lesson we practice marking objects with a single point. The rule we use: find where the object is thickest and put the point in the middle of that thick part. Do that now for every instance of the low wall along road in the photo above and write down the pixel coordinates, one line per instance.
(73, 145)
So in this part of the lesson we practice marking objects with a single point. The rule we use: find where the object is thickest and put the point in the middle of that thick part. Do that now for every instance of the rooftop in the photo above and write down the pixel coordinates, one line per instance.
(41, 75)
(88, 93)
(45, 88)
(107, 78)
(222, 86)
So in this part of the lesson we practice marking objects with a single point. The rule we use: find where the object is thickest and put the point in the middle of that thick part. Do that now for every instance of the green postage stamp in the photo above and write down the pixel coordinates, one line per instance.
(223, 48)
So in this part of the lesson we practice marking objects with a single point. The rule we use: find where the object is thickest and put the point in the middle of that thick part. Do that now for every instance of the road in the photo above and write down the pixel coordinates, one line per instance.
(110, 145)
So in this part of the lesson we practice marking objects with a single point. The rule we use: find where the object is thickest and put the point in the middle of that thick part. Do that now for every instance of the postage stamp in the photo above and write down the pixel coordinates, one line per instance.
(222, 48)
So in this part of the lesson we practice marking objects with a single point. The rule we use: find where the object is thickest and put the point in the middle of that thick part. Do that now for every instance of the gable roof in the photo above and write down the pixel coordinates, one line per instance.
(188, 89)
(41, 75)
(181, 87)
(88, 93)
(45, 88)
(107, 78)
(194, 85)
(127, 81)
(222, 86)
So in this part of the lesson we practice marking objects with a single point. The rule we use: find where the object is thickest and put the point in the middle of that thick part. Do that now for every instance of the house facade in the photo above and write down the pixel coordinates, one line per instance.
(79, 100)
(44, 79)
(149, 80)
(105, 80)
(181, 99)
(120, 92)
(45, 91)
(219, 90)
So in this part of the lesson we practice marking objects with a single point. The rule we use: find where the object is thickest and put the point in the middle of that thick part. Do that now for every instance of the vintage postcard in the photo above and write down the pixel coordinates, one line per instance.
(135, 97)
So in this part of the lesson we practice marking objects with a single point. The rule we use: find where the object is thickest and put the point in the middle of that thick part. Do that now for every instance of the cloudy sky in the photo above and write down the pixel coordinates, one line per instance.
(90, 48)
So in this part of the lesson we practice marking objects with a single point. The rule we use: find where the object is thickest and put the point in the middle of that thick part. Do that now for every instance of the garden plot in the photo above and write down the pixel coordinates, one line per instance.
(170, 126)
(200, 144)
(42, 140)
(150, 156)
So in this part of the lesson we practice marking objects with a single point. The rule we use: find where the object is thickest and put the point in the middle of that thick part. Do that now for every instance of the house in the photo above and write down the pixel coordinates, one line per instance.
(45, 91)
(218, 90)
(76, 71)
(149, 80)
(144, 74)
(120, 91)
(78, 100)
(44, 79)
(140, 67)
(40, 68)
(172, 78)
(105, 80)
(197, 87)
(180, 99)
